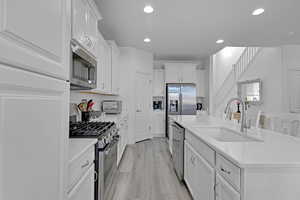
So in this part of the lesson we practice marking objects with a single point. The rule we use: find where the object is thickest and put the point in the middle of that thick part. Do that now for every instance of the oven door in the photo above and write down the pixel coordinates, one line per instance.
(110, 163)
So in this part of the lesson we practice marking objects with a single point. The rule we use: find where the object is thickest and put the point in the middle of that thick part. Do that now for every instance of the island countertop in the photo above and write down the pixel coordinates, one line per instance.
(275, 149)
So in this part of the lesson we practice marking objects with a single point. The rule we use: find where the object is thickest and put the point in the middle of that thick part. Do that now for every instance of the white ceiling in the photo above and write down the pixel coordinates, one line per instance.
(188, 29)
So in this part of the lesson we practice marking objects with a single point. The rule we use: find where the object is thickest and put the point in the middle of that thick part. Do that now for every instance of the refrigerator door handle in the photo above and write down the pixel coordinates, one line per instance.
(180, 104)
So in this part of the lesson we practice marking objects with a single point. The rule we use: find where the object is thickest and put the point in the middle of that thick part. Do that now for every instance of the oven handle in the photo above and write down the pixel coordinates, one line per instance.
(109, 147)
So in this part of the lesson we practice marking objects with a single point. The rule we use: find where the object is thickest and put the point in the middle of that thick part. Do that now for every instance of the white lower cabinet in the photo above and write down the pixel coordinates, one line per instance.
(224, 191)
(200, 176)
(84, 189)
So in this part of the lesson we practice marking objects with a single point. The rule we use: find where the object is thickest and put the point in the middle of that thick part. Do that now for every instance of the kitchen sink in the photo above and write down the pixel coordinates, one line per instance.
(227, 135)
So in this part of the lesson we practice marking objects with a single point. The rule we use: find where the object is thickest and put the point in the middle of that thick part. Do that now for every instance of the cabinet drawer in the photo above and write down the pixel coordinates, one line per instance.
(229, 171)
(84, 189)
(79, 166)
(203, 149)
(224, 191)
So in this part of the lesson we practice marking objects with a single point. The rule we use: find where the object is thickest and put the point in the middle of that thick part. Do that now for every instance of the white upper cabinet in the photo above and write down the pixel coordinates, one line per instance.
(34, 135)
(188, 73)
(107, 70)
(34, 35)
(115, 54)
(158, 82)
(173, 73)
(85, 17)
(180, 73)
(100, 62)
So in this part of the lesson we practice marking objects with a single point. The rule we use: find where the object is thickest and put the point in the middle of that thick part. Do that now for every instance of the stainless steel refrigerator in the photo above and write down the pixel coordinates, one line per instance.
(180, 100)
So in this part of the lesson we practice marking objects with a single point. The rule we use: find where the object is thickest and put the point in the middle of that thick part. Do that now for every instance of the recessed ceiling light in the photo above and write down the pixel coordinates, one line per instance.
(147, 40)
(148, 9)
(291, 33)
(220, 41)
(258, 11)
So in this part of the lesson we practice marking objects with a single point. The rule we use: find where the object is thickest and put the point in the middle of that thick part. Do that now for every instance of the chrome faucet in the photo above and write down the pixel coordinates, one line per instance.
(243, 112)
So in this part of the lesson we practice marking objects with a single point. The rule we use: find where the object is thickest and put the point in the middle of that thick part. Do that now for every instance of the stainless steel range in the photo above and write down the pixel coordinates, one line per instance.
(106, 151)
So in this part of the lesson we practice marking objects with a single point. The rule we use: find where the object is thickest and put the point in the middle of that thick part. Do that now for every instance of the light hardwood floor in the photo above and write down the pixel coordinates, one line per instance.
(146, 173)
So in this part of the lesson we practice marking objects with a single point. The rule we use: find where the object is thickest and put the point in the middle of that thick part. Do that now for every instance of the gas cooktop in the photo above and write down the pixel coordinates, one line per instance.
(89, 129)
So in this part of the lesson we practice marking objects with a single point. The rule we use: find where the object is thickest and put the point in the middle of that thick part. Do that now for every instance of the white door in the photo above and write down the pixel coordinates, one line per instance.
(35, 35)
(224, 191)
(33, 135)
(142, 107)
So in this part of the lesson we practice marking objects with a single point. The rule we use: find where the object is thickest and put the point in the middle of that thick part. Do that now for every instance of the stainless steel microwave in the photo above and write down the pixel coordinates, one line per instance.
(83, 73)
(112, 106)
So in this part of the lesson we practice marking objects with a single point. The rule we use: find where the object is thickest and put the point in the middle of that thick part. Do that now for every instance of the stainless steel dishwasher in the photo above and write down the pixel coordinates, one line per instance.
(178, 149)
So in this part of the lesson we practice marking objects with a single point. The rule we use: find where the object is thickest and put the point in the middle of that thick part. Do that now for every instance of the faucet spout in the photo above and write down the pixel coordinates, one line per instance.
(243, 112)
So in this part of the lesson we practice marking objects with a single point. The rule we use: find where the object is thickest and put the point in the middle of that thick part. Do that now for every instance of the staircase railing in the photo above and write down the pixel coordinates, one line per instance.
(235, 74)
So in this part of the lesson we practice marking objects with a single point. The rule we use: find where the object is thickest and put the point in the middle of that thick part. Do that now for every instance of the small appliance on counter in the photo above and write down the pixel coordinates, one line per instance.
(112, 106)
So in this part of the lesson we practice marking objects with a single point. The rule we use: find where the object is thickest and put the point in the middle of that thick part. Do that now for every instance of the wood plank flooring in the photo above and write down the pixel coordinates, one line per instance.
(146, 173)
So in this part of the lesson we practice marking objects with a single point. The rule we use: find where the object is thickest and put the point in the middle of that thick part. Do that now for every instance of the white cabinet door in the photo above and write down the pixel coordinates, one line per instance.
(203, 178)
(173, 73)
(188, 73)
(107, 71)
(79, 20)
(115, 53)
(224, 191)
(85, 24)
(92, 29)
(34, 35)
(34, 135)
(100, 63)
(188, 167)
(84, 190)
(200, 175)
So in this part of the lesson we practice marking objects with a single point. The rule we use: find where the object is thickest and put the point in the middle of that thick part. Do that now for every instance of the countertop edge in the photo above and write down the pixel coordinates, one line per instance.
(90, 142)
(234, 161)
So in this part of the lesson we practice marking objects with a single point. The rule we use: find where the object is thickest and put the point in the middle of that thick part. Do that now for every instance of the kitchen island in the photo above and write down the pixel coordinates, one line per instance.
(222, 163)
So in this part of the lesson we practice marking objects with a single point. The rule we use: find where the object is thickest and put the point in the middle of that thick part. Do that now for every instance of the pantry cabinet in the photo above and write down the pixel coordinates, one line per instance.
(180, 73)
(35, 35)
(85, 16)
(34, 135)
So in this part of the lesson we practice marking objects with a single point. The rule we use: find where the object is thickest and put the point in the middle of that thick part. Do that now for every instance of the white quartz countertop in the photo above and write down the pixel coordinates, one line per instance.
(77, 146)
(275, 149)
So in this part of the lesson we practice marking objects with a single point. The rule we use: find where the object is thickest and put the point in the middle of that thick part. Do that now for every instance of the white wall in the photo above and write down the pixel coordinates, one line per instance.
(271, 66)
(132, 60)
(223, 61)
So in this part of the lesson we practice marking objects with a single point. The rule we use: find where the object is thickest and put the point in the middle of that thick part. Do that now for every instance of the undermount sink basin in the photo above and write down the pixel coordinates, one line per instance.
(227, 135)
